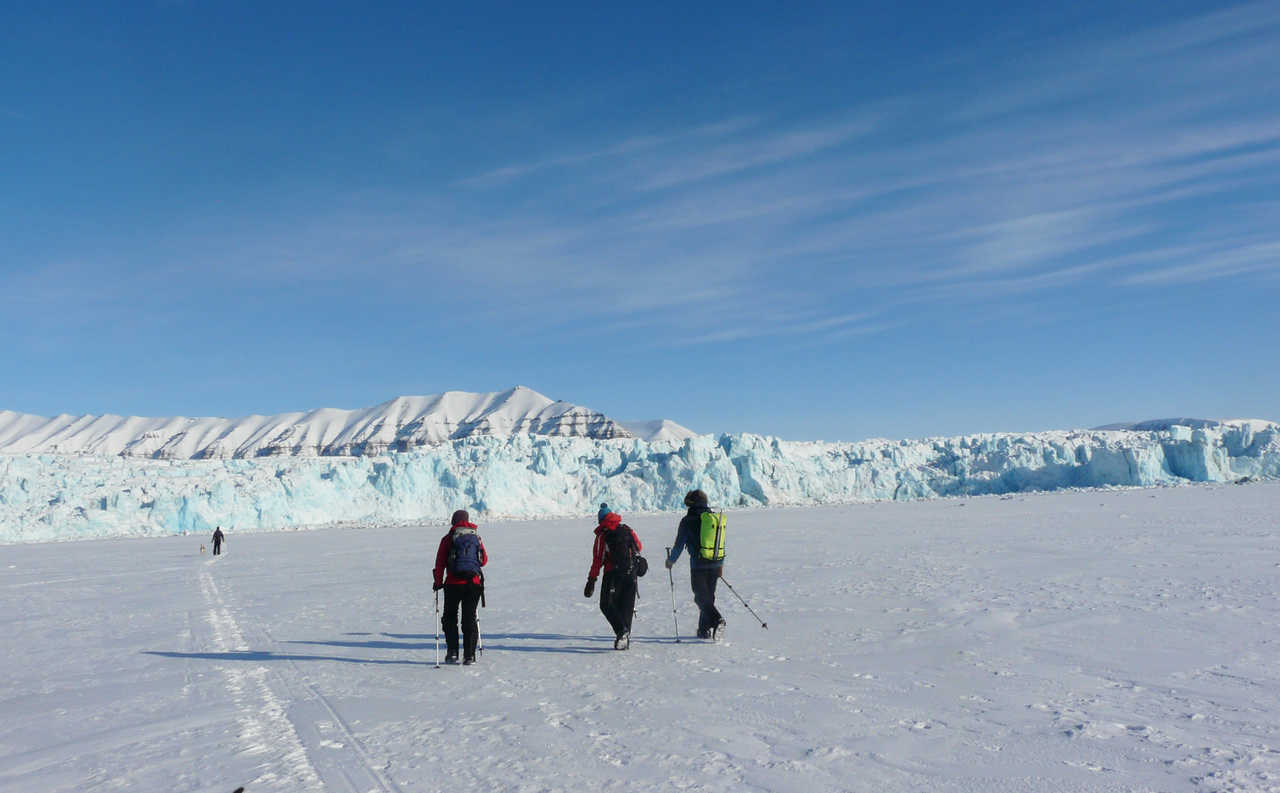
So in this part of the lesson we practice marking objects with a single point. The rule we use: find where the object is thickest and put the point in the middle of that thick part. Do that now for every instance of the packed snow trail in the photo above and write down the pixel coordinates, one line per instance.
(1088, 641)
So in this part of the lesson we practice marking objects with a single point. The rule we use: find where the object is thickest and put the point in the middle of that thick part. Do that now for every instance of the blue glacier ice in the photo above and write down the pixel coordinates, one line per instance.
(56, 497)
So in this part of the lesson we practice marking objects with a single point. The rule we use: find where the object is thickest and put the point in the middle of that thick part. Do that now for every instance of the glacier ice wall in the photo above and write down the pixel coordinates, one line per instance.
(55, 497)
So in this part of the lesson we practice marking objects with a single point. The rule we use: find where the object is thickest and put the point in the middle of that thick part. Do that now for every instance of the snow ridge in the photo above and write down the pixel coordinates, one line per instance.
(54, 497)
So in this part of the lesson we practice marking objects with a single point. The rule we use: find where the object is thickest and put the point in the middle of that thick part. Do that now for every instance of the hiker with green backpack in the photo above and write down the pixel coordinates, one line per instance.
(702, 532)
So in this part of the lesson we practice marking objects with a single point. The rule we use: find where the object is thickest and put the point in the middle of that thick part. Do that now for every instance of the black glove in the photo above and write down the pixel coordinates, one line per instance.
(437, 587)
(589, 588)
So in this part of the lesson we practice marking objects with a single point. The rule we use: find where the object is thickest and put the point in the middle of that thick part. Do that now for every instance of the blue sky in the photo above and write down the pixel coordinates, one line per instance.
(835, 221)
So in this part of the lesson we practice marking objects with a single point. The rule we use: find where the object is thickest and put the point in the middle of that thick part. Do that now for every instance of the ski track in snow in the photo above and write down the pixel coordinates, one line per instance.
(1089, 641)
(264, 727)
(268, 727)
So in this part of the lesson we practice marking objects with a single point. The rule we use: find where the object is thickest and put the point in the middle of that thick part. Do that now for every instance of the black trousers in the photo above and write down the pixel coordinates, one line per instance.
(217, 548)
(467, 596)
(618, 600)
(703, 583)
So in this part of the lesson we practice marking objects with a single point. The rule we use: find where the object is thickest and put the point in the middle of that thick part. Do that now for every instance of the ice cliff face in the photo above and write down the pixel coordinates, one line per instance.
(52, 497)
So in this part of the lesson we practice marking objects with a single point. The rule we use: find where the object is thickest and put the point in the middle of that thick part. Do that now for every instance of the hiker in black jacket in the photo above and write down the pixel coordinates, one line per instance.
(615, 550)
(703, 573)
(217, 540)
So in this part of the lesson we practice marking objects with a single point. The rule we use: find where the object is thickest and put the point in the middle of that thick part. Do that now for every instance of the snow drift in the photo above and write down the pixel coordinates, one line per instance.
(53, 497)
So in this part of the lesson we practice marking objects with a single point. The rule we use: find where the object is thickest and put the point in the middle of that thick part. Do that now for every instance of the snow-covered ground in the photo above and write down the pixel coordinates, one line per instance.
(1078, 641)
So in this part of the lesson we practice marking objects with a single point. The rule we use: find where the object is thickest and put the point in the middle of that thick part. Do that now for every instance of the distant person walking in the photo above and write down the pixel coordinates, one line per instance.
(704, 567)
(617, 551)
(457, 572)
(217, 540)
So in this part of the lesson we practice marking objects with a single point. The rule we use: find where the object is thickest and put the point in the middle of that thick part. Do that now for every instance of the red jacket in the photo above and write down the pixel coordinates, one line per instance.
(442, 560)
(600, 551)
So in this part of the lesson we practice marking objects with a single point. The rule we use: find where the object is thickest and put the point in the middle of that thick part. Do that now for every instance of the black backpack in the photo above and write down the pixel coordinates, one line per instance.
(623, 552)
(464, 553)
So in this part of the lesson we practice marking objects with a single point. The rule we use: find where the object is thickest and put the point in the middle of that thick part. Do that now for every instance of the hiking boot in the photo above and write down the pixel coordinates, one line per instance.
(704, 634)
(718, 631)
(622, 642)
(469, 660)
(451, 658)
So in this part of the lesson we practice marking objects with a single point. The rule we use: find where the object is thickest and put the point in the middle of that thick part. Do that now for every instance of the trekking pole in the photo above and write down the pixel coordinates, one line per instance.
(437, 629)
(672, 579)
(763, 624)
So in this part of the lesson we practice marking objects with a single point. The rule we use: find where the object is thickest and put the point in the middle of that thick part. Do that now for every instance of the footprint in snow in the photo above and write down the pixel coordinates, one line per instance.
(1094, 767)
(481, 720)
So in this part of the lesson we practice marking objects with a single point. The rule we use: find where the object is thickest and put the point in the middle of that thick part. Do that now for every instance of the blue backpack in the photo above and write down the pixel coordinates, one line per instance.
(464, 553)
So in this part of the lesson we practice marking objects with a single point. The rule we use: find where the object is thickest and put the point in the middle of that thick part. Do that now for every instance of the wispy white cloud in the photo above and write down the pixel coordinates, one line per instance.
(738, 327)
(1208, 52)
(1217, 29)
(733, 157)
(1218, 264)
(1143, 160)
(630, 146)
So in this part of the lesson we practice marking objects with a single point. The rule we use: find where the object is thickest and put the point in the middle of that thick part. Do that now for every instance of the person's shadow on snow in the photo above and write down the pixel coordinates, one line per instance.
(561, 638)
(554, 642)
(261, 656)
(523, 643)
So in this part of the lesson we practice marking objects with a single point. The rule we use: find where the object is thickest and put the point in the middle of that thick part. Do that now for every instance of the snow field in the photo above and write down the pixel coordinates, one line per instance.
(1082, 641)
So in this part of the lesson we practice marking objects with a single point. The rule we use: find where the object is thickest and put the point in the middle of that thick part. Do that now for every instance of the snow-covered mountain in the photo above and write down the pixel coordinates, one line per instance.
(1154, 425)
(657, 430)
(403, 424)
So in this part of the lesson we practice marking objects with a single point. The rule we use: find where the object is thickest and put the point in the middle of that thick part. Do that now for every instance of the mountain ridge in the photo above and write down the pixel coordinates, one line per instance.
(401, 424)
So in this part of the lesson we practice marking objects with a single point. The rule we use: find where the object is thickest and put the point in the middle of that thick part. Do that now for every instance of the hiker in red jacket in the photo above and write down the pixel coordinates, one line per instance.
(617, 550)
(461, 555)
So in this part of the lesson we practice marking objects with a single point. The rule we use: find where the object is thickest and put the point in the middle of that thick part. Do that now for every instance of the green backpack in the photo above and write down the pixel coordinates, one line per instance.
(711, 537)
